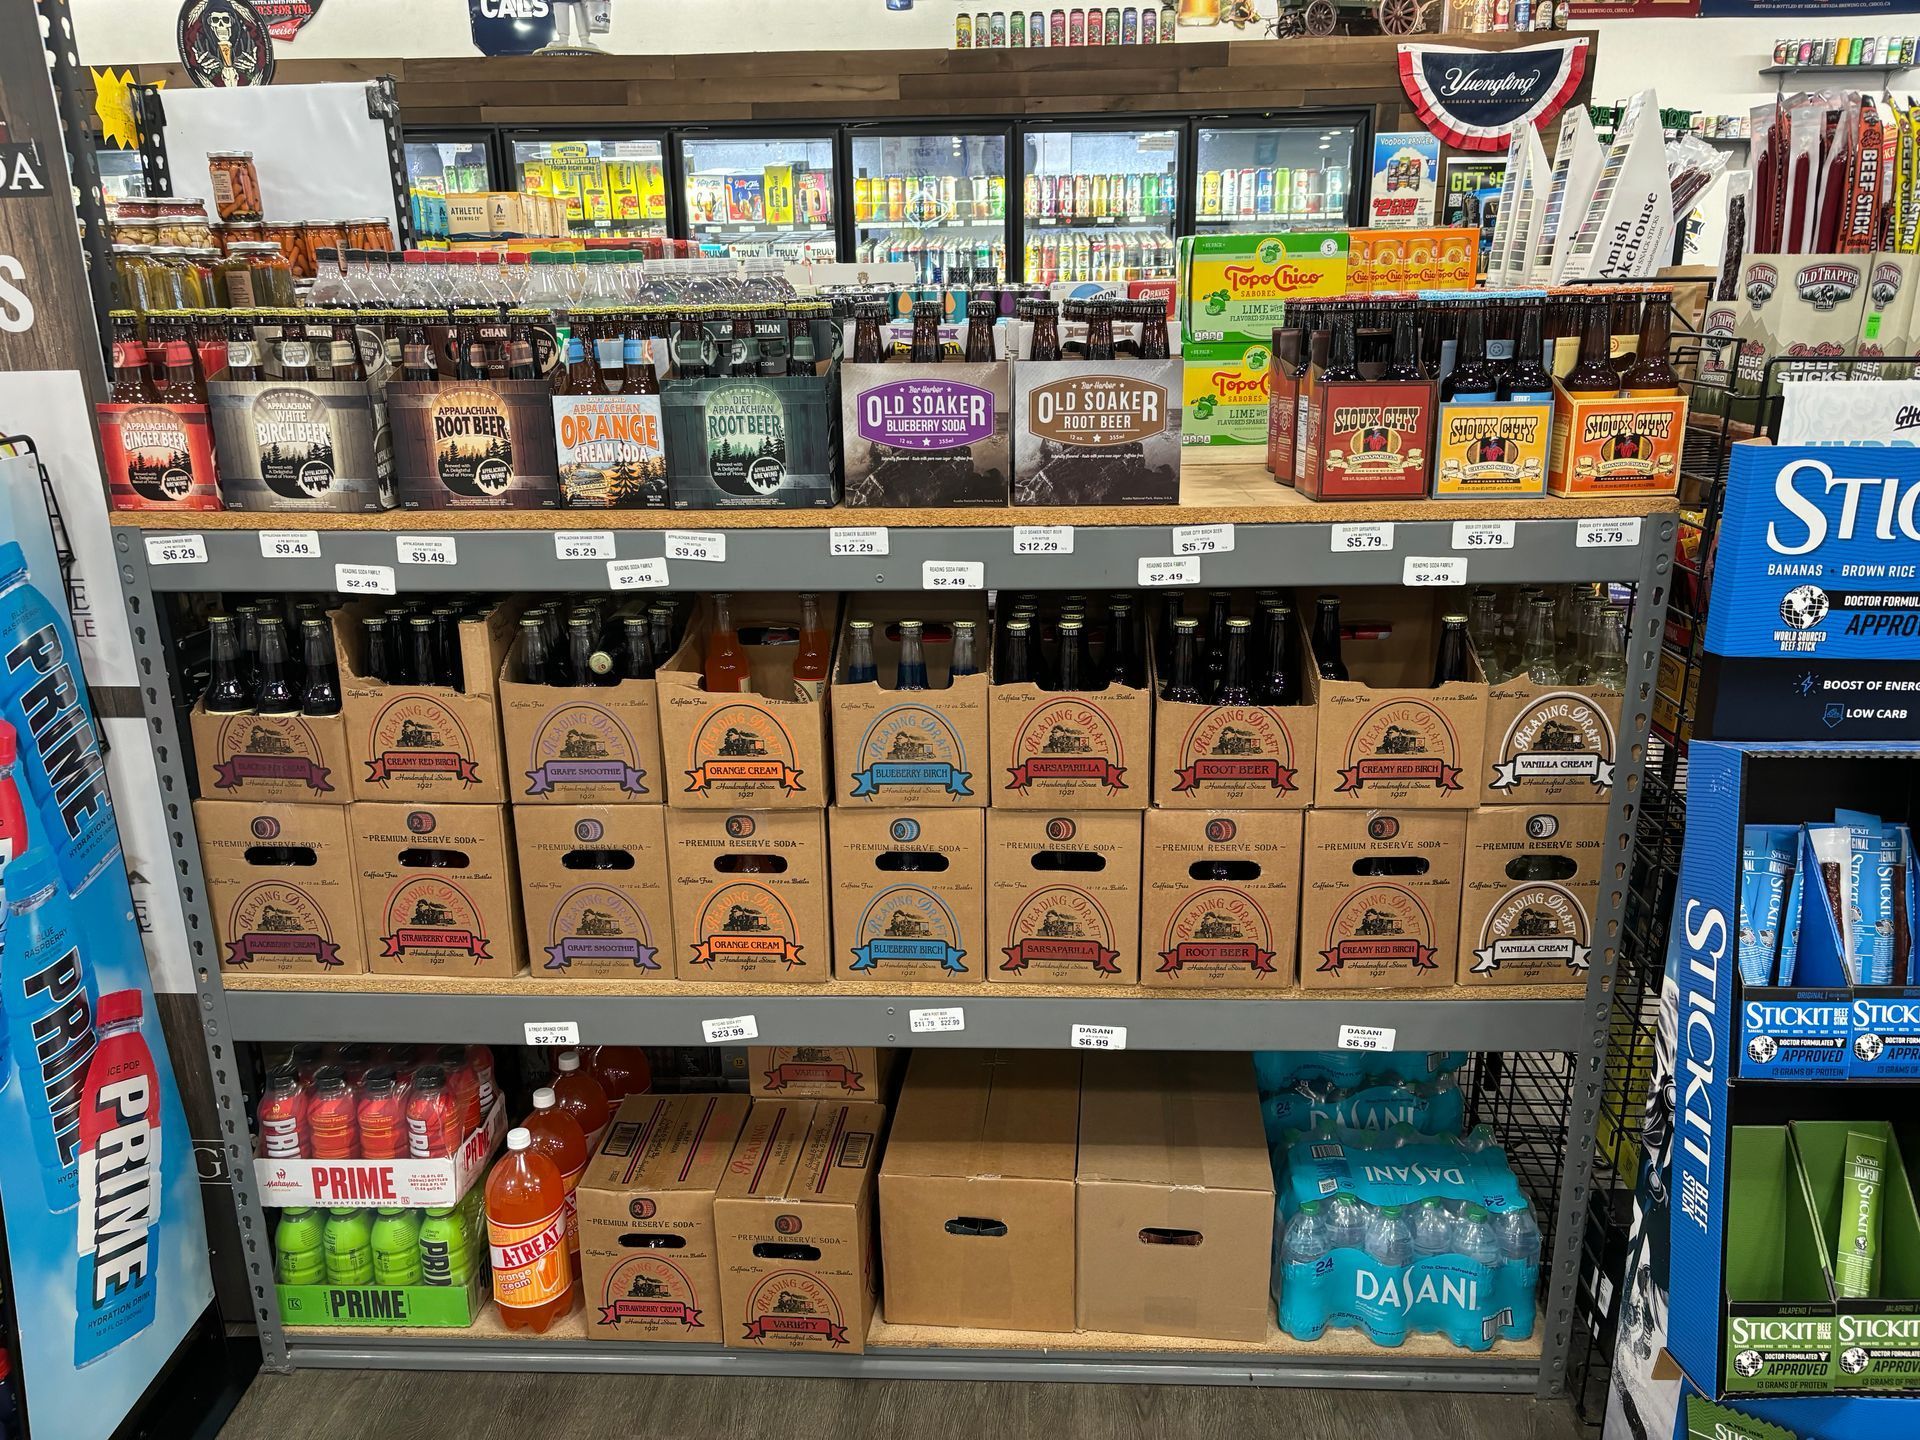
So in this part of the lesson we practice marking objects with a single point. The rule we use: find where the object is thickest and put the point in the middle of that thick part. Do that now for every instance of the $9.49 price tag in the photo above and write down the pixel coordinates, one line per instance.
(697, 545)
(427, 550)
(289, 545)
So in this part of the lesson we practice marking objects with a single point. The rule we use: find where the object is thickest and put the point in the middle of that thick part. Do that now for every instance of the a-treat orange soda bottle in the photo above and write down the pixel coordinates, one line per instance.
(527, 1235)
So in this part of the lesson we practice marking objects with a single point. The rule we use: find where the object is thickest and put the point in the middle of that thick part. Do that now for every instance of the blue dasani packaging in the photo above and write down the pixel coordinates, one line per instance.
(1432, 1107)
(1276, 1070)
(1766, 870)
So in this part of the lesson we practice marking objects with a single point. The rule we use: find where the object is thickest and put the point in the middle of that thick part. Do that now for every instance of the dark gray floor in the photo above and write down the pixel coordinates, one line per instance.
(398, 1405)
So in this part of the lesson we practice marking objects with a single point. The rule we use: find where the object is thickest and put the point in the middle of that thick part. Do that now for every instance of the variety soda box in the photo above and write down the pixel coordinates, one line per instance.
(594, 887)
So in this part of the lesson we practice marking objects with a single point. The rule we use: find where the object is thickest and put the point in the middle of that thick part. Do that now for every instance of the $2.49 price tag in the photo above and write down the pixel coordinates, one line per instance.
(953, 575)
(1163, 570)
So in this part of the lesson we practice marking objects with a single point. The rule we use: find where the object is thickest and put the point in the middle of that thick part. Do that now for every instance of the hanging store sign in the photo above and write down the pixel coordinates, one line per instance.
(511, 27)
(285, 19)
(1477, 99)
(224, 44)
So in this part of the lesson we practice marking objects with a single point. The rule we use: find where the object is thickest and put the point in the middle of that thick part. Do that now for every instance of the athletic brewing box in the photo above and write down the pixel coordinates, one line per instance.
(1527, 900)
(1220, 899)
(912, 748)
(580, 745)
(281, 882)
(438, 892)
(926, 435)
(1380, 904)
(749, 896)
(1063, 897)
(299, 758)
(1097, 433)
(909, 895)
(593, 882)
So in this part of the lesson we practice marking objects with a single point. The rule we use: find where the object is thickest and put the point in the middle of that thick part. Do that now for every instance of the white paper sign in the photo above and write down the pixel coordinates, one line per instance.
(363, 579)
(857, 540)
(1166, 570)
(1099, 1037)
(953, 575)
(1043, 539)
(1366, 1037)
(552, 1032)
(637, 574)
(427, 550)
(289, 544)
(1434, 570)
(731, 1030)
(583, 545)
(1604, 534)
(944, 1021)
(1366, 538)
(1202, 539)
(176, 549)
(710, 545)
(1483, 534)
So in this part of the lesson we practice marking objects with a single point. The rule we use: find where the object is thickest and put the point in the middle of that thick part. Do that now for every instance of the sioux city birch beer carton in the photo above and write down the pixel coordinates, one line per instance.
(749, 896)
(1380, 902)
(1063, 897)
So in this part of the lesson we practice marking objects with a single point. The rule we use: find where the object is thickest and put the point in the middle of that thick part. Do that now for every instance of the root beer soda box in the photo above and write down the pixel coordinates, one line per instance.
(909, 895)
(1380, 902)
(910, 705)
(749, 896)
(1063, 897)
(283, 888)
(1220, 899)
(1532, 884)
(155, 437)
(593, 882)
(439, 895)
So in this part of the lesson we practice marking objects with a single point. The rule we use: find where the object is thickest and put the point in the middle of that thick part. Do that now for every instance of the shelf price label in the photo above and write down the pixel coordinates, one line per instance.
(1160, 571)
(363, 579)
(1202, 539)
(427, 550)
(1099, 1037)
(176, 549)
(289, 545)
(552, 1032)
(583, 545)
(637, 574)
(953, 575)
(1434, 570)
(1362, 538)
(731, 1030)
(857, 540)
(1604, 534)
(1483, 534)
(1043, 539)
(709, 545)
(1366, 1037)
(947, 1020)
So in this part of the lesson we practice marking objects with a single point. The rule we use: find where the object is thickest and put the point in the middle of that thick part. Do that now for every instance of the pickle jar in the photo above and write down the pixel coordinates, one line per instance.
(318, 235)
(132, 280)
(262, 279)
(374, 234)
(134, 223)
(291, 238)
(182, 224)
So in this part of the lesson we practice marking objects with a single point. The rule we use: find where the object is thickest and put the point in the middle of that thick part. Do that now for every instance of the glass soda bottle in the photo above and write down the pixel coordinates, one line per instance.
(815, 654)
(1538, 653)
(580, 1095)
(283, 1117)
(622, 1070)
(527, 1237)
(299, 1247)
(861, 668)
(445, 1256)
(727, 671)
(1326, 638)
(1182, 686)
(963, 662)
(333, 1118)
(347, 1245)
(558, 1136)
(1609, 663)
(912, 671)
(395, 1242)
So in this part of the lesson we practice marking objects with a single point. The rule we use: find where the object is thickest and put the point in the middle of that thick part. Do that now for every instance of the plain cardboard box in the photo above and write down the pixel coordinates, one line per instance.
(1388, 737)
(650, 1270)
(298, 918)
(293, 758)
(593, 884)
(581, 745)
(925, 925)
(438, 891)
(1550, 744)
(735, 915)
(1173, 1220)
(1528, 897)
(1233, 924)
(1052, 920)
(894, 748)
(1070, 751)
(794, 1219)
(820, 1072)
(1393, 930)
(976, 1191)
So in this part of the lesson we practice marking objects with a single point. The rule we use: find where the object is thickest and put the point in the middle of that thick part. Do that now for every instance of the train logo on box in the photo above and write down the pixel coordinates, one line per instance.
(1066, 742)
(278, 921)
(1557, 737)
(268, 747)
(416, 737)
(582, 744)
(744, 747)
(1237, 745)
(1061, 925)
(907, 925)
(1404, 742)
(601, 925)
(1541, 928)
(910, 745)
(814, 1065)
(793, 1306)
(1380, 929)
(1218, 927)
(651, 1293)
(746, 926)
(432, 919)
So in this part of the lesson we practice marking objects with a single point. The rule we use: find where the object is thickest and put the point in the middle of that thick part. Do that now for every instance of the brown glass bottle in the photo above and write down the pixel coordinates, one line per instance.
(742, 359)
(1099, 331)
(1046, 330)
(980, 315)
(1651, 372)
(344, 350)
(132, 380)
(1326, 639)
(521, 364)
(1403, 362)
(1342, 354)
(1153, 331)
(866, 335)
(800, 353)
(243, 354)
(1593, 376)
(925, 349)
(417, 363)
(1453, 662)
(184, 385)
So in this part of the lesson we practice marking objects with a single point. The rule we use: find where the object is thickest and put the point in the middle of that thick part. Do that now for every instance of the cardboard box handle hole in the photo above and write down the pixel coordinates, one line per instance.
(279, 855)
(1223, 870)
(1084, 861)
(1157, 1235)
(597, 860)
(1391, 865)
(750, 864)
(929, 862)
(431, 859)
(975, 1225)
(785, 1250)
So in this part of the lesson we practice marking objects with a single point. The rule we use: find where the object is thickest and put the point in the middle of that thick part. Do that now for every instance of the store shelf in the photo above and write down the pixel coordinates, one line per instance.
(1098, 222)
(1833, 69)
(944, 222)
(1279, 218)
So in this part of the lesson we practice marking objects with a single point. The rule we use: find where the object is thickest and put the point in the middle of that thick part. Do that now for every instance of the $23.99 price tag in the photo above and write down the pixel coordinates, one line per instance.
(730, 1031)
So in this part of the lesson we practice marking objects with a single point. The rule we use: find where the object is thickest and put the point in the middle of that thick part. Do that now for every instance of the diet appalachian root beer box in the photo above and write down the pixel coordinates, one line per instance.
(580, 745)
(438, 891)
(1531, 886)
(1063, 897)
(300, 759)
(1380, 900)
(1220, 899)
(282, 886)
(749, 896)
(914, 748)
(593, 883)
(909, 895)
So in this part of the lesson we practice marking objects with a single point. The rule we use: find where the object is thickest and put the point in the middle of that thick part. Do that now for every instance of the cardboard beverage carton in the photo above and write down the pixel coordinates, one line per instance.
(1082, 750)
(1494, 448)
(474, 444)
(821, 1072)
(909, 895)
(1366, 439)
(1226, 387)
(580, 745)
(749, 896)
(1063, 897)
(294, 758)
(438, 890)
(896, 748)
(753, 442)
(1173, 1220)
(1220, 898)
(649, 1264)
(976, 1190)
(282, 887)
(927, 434)
(158, 457)
(1530, 889)
(593, 881)
(795, 1218)
(1380, 904)
(1623, 446)
(1235, 287)
(1097, 432)
(1549, 744)
(303, 444)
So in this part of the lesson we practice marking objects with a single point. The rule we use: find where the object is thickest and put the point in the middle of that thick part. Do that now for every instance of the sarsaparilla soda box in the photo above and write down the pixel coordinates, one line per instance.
(897, 748)
(909, 895)
(1220, 899)
(282, 886)
(1549, 744)
(758, 749)
(754, 441)
(1380, 903)
(1063, 897)
(1097, 432)
(1070, 749)
(822, 1072)
(1365, 439)
(1527, 900)
(749, 896)
(594, 887)
(580, 744)
(1626, 445)
(299, 759)
(438, 891)
(927, 435)
(1235, 287)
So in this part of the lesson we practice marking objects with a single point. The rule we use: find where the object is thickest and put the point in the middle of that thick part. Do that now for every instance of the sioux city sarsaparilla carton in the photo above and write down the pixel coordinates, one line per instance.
(1063, 897)
(1237, 757)
(1055, 750)
(909, 895)
(1366, 439)
(749, 896)
(1530, 888)
(580, 745)
(301, 759)
(438, 891)
(1549, 744)
(896, 748)
(1220, 899)
(1380, 901)
(282, 886)
(593, 883)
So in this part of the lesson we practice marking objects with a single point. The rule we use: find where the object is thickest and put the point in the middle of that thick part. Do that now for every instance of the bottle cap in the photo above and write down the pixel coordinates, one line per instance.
(567, 1061)
(519, 1138)
(118, 1007)
(543, 1098)
(9, 744)
(31, 873)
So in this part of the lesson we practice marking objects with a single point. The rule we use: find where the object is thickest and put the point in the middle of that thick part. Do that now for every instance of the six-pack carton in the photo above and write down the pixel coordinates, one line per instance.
(1063, 897)
(438, 891)
(594, 887)
(1237, 757)
(1055, 750)
(821, 1072)
(1097, 432)
(295, 758)
(912, 748)
(750, 896)
(1549, 744)
(1530, 888)
(926, 435)
(580, 745)
(1380, 904)
(909, 895)
(282, 887)
(1220, 899)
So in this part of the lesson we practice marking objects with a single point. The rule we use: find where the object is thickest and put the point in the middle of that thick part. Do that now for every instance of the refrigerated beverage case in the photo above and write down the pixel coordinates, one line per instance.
(333, 1118)
(433, 1117)
(580, 1095)
(347, 1245)
(558, 1136)
(382, 1116)
(299, 1247)
(395, 1242)
(527, 1237)
(445, 1256)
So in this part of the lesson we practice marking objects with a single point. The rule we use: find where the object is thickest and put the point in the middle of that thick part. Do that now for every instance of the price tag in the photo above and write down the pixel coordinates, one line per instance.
(1202, 539)
(583, 545)
(289, 545)
(944, 1021)
(1599, 534)
(176, 549)
(1350, 538)
(1483, 534)
(1043, 539)
(727, 1032)
(427, 550)
(552, 1032)
(953, 575)
(1366, 1037)
(1166, 570)
(697, 545)
(1099, 1037)
(857, 540)
(637, 574)
(1434, 570)
(363, 579)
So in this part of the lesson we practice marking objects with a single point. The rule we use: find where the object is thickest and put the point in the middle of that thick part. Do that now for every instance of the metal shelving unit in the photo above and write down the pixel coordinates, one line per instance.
(1543, 1093)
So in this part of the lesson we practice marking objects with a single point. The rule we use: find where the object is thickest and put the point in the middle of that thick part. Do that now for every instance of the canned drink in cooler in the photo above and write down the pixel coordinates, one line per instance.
(1057, 27)
(1097, 195)
(1030, 197)
(896, 197)
(1263, 191)
(1150, 193)
(1082, 196)
(998, 29)
(1229, 193)
(1049, 260)
(1282, 190)
(1082, 255)
(1249, 188)
(1096, 27)
(996, 197)
(949, 195)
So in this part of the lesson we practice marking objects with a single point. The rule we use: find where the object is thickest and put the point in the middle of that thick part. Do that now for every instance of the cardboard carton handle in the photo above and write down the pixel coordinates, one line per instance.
(280, 855)
(1542, 867)
(1157, 1235)
(1085, 861)
(432, 858)
(928, 862)
(787, 1250)
(641, 1240)
(1223, 870)
(975, 1225)
(750, 864)
(1375, 865)
(597, 860)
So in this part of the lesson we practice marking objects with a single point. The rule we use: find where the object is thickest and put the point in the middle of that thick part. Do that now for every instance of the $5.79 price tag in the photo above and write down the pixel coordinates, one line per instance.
(1362, 538)
(1603, 534)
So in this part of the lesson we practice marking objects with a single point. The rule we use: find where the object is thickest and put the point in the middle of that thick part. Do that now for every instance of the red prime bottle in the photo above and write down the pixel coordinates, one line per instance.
(119, 1160)
(13, 815)
(283, 1117)
(333, 1116)
(383, 1116)
(433, 1116)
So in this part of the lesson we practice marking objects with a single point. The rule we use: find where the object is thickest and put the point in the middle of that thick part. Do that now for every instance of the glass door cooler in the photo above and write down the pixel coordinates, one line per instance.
(613, 185)
(1260, 174)
(760, 195)
(442, 163)
(1100, 204)
(936, 201)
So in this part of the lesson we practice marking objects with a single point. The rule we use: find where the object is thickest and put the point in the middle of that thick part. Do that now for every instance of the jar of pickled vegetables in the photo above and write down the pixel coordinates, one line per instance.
(133, 279)
(236, 185)
(265, 282)
(291, 238)
(133, 223)
(318, 235)
(236, 232)
(182, 223)
(374, 234)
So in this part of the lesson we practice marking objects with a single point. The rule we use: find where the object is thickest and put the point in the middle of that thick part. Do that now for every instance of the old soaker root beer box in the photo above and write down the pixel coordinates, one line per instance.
(1380, 904)
(299, 759)
(1549, 744)
(897, 748)
(1097, 432)
(580, 745)
(593, 881)
(929, 435)
(795, 1224)
(977, 1191)
(282, 887)
(909, 895)
(438, 890)
(1063, 897)
(1527, 900)
(1220, 899)
(820, 1072)
(1061, 750)
(649, 1266)
(749, 896)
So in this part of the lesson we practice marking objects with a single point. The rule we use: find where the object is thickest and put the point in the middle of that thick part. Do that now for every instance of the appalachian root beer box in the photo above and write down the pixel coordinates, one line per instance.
(909, 895)
(299, 759)
(895, 748)
(282, 887)
(1237, 757)
(473, 444)
(1220, 899)
(821, 1072)
(1056, 750)
(794, 1221)
(1549, 744)
(438, 891)
(649, 1266)
(1623, 446)
(580, 745)
(1063, 897)
(594, 886)
(749, 896)
(1527, 901)
(1380, 902)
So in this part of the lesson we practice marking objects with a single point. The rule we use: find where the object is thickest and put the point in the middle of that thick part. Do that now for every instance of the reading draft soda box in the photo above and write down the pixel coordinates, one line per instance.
(1173, 1219)
(298, 759)
(438, 890)
(282, 887)
(649, 1265)
(1380, 904)
(909, 895)
(821, 1072)
(795, 1224)
(749, 896)
(1530, 888)
(977, 1191)
(1549, 744)
(1070, 751)
(593, 884)
(913, 748)
(580, 745)
(1063, 897)
(1220, 899)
